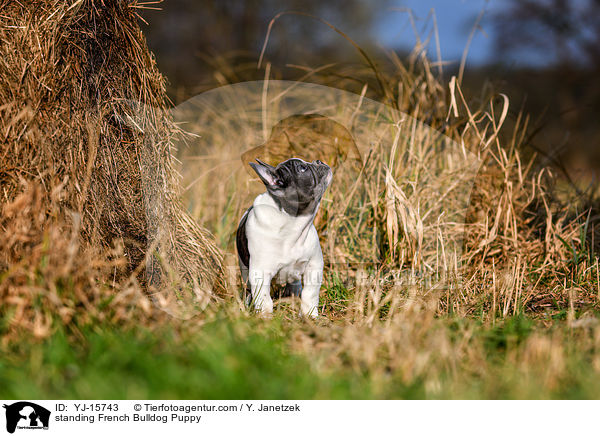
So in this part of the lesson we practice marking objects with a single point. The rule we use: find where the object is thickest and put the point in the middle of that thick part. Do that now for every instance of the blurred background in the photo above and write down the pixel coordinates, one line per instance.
(543, 54)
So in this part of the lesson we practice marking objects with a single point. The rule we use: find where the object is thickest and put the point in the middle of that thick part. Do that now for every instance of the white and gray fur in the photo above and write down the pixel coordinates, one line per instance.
(276, 237)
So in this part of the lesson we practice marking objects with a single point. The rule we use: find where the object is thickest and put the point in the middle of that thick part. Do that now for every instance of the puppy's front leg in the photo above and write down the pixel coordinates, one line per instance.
(260, 285)
(312, 279)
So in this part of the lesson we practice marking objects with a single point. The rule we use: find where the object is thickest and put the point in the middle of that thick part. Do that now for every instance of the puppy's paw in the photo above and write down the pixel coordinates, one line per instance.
(309, 312)
(265, 308)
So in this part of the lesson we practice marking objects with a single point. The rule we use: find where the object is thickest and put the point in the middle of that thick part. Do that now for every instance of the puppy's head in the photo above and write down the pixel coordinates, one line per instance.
(295, 185)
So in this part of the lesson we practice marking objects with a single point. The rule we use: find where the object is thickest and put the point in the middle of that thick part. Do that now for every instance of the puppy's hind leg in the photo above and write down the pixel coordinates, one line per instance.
(294, 289)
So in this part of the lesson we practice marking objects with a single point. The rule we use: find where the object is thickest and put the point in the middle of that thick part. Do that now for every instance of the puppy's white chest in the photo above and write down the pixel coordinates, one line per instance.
(286, 257)
(279, 243)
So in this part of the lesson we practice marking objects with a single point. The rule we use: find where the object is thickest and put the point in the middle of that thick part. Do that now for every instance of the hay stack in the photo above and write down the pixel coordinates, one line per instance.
(70, 74)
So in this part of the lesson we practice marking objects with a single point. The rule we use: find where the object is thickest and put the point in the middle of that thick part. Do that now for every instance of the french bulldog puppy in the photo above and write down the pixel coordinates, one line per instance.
(276, 237)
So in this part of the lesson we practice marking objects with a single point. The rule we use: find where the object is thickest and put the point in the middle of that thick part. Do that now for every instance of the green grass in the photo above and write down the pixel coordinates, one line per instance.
(225, 359)
(251, 358)
(512, 332)
(336, 295)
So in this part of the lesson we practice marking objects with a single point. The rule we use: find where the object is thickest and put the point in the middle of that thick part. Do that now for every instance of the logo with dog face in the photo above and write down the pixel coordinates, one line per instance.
(26, 415)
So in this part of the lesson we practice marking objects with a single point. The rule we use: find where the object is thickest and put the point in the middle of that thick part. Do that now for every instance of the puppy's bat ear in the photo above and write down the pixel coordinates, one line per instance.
(266, 173)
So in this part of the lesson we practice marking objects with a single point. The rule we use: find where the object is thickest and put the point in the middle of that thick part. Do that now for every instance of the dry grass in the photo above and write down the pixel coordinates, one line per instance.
(458, 205)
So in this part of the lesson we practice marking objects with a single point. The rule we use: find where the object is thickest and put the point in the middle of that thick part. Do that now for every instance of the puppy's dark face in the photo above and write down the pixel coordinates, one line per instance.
(295, 185)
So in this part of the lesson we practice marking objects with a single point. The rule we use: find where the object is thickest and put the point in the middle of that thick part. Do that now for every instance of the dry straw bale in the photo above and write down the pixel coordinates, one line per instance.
(70, 74)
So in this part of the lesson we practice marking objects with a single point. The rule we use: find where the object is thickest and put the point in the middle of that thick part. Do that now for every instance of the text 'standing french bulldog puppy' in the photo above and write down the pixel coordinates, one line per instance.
(276, 237)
